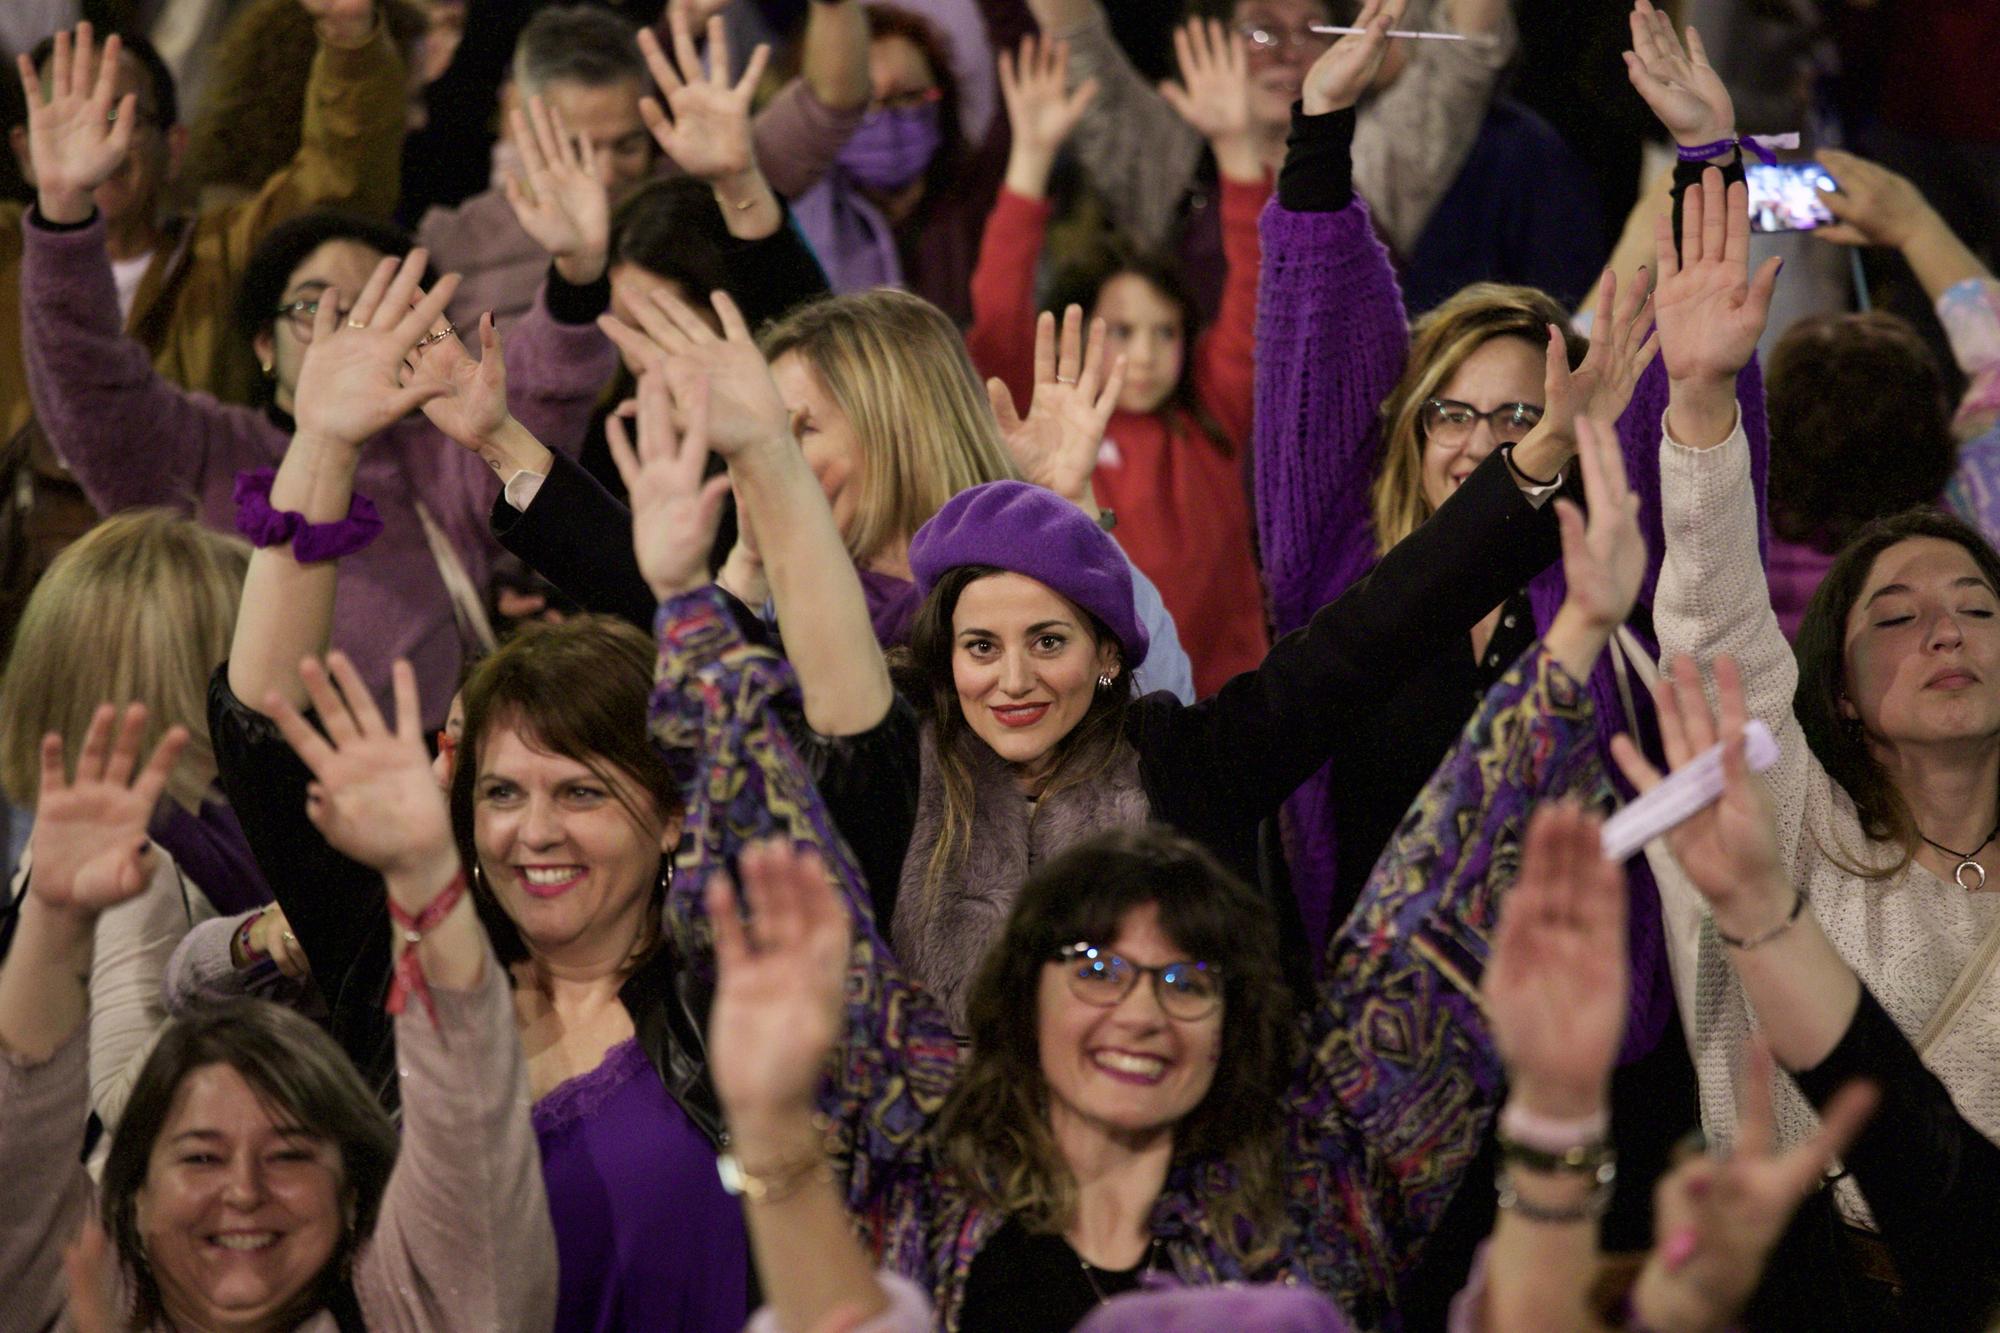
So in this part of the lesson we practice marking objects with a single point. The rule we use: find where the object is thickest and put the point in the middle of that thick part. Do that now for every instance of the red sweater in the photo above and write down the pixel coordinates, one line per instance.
(1183, 515)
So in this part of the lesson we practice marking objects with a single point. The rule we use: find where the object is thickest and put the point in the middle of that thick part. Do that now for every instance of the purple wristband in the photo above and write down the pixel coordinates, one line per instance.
(312, 543)
(1759, 144)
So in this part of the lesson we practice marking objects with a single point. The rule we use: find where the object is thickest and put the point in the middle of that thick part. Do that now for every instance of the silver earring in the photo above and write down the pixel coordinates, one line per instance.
(1104, 682)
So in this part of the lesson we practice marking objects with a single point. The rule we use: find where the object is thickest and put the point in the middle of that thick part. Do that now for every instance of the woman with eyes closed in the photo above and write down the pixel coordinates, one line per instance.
(565, 815)
(1887, 716)
(1014, 731)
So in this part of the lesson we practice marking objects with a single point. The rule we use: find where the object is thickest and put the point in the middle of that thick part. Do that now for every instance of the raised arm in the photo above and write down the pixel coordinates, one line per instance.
(94, 389)
(91, 854)
(802, 128)
(1041, 113)
(1328, 298)
(705, 123)
(464, 1235)
(821, 611)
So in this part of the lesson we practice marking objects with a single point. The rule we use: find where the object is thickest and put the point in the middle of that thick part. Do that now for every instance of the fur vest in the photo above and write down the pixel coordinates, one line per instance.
(941, 932)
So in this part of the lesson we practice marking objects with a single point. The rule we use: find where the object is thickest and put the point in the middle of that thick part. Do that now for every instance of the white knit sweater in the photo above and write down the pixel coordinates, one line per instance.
(1908, 935)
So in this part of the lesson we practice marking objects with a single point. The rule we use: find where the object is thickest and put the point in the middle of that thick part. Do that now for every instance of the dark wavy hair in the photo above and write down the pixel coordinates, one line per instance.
(302, 1077)
(924, 674)
(1860, 426)
(1082, 282)
(994, 1127)
(579, 689)
(1837, 741)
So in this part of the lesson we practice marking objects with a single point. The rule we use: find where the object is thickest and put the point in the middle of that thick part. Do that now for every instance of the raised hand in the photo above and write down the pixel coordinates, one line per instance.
(558, 194)
(1875, 205)
(89, 843)
(1687, 96)
(373, 796)
(1042, 110)
(1710, 310)
(674, 510)
(695, 12)
(1056, 445)
(1718, 1217)
(468, 399)
(1556, 985)
(1604, 553)
(79, 131)
(354, 380)
(1345, 70)
(1622, 345)
(1729, 849)
(1214, 94)
(744, 408)
(705, 125)
(780, 978)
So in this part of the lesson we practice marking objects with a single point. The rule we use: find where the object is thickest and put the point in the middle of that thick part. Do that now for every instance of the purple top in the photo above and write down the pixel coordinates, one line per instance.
(646, 1237)
(1795, 571)
(1333, 339)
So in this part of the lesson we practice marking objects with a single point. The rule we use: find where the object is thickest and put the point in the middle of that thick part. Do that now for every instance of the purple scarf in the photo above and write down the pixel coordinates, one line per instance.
(210, 849)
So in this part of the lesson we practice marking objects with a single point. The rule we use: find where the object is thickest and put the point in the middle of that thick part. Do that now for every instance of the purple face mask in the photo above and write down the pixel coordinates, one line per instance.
(893, 146)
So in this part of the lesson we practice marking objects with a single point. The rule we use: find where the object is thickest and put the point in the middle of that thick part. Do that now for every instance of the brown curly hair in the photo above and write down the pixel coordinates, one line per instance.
(994, 1128)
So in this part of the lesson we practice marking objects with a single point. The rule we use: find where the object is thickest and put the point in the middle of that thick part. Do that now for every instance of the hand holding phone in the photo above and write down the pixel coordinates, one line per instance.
(1786, 197)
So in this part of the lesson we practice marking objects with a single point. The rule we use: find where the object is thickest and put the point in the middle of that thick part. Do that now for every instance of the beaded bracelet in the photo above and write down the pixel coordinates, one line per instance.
(1765, 937)
(312, 543)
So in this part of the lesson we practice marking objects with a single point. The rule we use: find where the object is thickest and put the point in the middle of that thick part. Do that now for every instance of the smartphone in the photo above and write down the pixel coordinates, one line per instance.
(1785, 197)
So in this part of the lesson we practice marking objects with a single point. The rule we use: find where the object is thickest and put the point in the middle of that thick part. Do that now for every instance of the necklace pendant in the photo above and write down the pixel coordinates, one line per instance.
(1977, 869)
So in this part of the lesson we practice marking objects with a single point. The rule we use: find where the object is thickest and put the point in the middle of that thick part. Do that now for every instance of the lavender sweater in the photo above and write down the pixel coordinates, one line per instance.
(1332, 341)
(132, 438)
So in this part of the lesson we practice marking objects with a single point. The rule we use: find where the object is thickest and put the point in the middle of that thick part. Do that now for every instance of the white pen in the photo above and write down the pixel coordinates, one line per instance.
(1333, 30)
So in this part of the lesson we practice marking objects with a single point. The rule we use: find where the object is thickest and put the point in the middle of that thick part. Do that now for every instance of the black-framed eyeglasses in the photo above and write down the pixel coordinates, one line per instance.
(1451, 422)
(1186, 990)
(909, 99)
(303, 311)
(1269, 39)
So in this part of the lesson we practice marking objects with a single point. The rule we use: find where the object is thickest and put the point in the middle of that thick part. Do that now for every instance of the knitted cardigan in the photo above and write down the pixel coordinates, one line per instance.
(1332, 342)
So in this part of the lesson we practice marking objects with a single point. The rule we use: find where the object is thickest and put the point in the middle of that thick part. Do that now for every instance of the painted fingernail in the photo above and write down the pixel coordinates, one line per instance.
(1678, 1249)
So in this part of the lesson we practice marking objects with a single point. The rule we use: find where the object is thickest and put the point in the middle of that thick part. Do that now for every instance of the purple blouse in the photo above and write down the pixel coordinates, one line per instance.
(645, 1235)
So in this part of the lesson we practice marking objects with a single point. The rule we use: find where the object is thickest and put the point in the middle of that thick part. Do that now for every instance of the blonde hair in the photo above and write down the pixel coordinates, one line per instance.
(899, 370)
(139, 610)
(1440, 342)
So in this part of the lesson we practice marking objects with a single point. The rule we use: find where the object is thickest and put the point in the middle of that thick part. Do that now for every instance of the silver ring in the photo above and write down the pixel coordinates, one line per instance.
(290, 938)
(1065, 379)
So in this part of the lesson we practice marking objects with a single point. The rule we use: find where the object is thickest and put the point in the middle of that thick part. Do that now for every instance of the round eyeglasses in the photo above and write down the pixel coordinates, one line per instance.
(1451, 423)
(1268, 39)
(1185, 990)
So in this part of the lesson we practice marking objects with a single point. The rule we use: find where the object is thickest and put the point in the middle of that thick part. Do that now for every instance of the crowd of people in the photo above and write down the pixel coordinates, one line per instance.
(857, 667)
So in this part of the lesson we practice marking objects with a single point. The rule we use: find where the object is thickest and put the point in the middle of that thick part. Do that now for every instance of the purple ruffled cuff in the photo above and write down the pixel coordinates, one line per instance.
(312, 543)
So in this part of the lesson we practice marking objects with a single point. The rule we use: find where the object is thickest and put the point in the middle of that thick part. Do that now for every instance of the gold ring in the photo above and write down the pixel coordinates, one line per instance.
(1065, 379)
(448, 331)
(356, 324)
(290, 938)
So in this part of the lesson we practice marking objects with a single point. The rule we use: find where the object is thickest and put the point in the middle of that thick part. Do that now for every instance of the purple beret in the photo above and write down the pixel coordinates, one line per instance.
(1031, 530)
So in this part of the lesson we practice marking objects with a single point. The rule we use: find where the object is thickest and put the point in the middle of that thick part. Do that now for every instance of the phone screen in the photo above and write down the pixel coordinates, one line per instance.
(1785, 197)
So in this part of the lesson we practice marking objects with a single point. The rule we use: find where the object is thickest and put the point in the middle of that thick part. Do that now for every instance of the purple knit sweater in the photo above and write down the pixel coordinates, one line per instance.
(132, 438)
(1332, 341)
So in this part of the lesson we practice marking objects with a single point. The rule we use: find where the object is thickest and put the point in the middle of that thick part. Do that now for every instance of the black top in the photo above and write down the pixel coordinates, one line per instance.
(1216, 769)
(1026, 1283)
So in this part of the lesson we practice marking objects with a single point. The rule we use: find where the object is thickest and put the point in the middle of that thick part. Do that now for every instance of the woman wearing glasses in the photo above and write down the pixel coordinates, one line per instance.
(1141, 1095)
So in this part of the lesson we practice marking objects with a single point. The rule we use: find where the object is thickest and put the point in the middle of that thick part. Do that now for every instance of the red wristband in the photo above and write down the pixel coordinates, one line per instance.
(409, 978)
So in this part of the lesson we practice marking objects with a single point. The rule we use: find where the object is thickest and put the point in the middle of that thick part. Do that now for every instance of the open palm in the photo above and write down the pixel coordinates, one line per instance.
(1556, 985)
(468, 399)
(1710, 311)
(780, 979)
(1729, 849)
(1042, 110)
(1344, 71)
(705, 125)
(557, 195)
(1676, 81)
(353, 382)
(1213, 96)
(744, 408)
(1056, 444)
(74, 140)
(373, 796)
(89, 843)
(1604, 553)
(675, 509)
